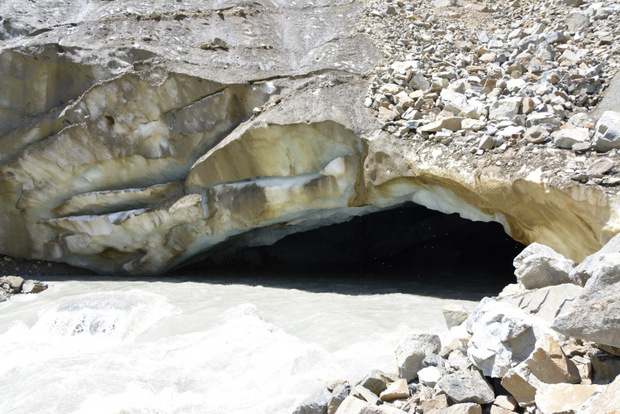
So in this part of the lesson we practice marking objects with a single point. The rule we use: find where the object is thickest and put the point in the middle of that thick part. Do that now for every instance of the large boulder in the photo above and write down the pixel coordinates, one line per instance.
(545, 303)
(502, 336)
(590, 264)
(594, 315)
(539, 266)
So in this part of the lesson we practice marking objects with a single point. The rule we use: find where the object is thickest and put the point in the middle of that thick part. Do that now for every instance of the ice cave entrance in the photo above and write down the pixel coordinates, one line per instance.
(403, 248)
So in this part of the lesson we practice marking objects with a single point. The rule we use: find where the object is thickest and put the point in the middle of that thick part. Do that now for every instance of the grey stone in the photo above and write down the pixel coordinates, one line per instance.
(15, 283)
(594, 314)
(545, 303)
(352, 405)
(454, 315)
(376, 382)
(607, 132)
(420, 82)
(590, 265)
(464, 408)
(429, 376)
(539, 266)
(452, 123)
(600, 167)
(502, 336)
(338, 395)
(506, 108)
(566, 138)
(467, 387)
(412, 350)
(317, 404)
(577, 20)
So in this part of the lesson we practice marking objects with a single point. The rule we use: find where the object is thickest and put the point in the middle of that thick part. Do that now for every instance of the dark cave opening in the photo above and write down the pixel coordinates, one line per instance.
(397, 249)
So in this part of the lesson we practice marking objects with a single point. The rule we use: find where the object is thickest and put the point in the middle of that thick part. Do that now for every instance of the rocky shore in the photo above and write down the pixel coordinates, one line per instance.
(548, 344)
(507, 80)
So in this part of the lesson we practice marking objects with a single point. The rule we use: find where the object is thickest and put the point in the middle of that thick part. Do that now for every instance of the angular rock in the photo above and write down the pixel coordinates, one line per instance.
(563, 398)
(546, 303)
(316, 404)
(517, 383)
(376, 382)
(467, 387)
(577, 20)
(607, 132)
(464, 408)
(454, 315)
(15, 283)
(365, 394)
(605, 402)
(594, 314)
(506, 402)
(387, 115)
(591, 264)
(429, 376)
(600, 167)
(473, 124)
(539, 266)
(412, 350)
(452, 123)
(339, 394)
(352, 405)
(396, 390)
(506, 108)
(566, 138)
(502, 336)
(435, 405)
(550, 365)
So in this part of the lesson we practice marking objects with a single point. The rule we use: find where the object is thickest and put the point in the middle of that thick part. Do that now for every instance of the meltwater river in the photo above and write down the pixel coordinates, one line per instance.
(206, 345)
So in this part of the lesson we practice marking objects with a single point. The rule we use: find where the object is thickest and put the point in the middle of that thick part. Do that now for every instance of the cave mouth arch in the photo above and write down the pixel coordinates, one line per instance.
(405, 248)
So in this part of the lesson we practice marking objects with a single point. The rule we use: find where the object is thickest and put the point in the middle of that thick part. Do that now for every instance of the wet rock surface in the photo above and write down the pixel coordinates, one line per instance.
(139, 136)
(506, 359)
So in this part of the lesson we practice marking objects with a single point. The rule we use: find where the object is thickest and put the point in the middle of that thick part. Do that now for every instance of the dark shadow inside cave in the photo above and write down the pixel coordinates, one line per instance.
(406, 249)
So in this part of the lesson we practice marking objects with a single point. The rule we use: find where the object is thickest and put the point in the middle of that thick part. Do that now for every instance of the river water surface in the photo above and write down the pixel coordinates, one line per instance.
(196, 345)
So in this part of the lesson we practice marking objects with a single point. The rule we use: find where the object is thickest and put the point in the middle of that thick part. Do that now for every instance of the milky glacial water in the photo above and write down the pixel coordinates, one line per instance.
(193, 345)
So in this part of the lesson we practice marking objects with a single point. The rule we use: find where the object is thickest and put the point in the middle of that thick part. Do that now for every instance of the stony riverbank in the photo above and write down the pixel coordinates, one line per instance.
(548, 344)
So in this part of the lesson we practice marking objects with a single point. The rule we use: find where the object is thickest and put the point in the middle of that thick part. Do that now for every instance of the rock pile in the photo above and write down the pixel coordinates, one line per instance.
(550, 346)
(488, 76)
(10, 285)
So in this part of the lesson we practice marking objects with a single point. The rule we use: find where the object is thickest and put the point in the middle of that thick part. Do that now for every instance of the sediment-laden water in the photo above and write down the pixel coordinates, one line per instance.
(197, 345)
